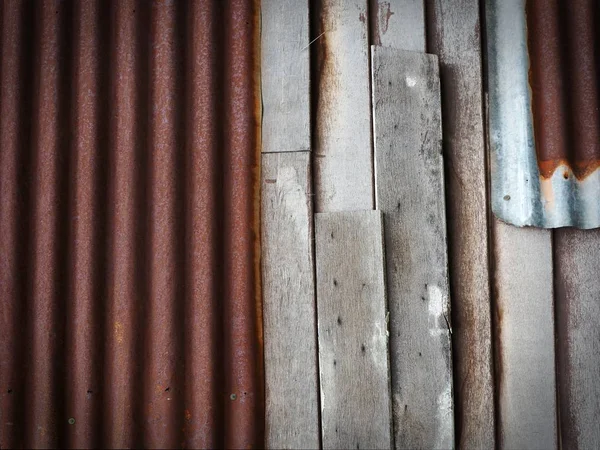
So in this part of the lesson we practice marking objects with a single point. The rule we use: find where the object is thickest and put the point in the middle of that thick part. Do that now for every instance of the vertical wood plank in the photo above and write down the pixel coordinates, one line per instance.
(399, 24)
(409, 176)
(524, 334)
(453, 33)
(353, 357)
(285, 75)
(292, 414)
(343, 173)
(577, 263)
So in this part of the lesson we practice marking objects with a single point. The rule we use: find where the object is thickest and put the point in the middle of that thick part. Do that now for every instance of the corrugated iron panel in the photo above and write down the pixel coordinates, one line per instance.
(543, 110)
(129, 287)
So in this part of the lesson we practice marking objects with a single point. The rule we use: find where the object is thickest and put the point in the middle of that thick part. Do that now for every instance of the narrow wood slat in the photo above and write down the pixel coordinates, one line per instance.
(453, 33)
(353, 350)
(398, 23)
(285, 75)
(577, 263)
(524, 334)
(343, 174)
(409, 174)
(292, 411)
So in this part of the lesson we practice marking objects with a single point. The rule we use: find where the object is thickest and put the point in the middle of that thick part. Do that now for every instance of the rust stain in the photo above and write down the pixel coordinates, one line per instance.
(385, 13)
(119, 332)
(498, 351)
(581, 169)
(324, 75)
(380, 13)
(547, 191)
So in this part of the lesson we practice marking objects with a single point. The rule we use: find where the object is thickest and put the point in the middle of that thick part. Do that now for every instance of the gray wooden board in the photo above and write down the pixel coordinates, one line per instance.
(399, 24)
(342, 159)
(577, 280)
(353, 356)
(290, 345)
(453, 33)
(409, 180)
(524, 334)
(285, 75)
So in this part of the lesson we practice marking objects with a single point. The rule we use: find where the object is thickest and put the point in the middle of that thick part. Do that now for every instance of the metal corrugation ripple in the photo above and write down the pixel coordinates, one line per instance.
(129, 284)
(544, 64)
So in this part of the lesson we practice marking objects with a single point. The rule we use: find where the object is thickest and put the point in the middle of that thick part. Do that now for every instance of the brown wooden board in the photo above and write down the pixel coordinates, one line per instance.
(398, 23)
(577, 281)
(342, 157)
(524, 335)
(409, 180)
(285, 75)
(454, 34)
(353, 337)
(292, 411)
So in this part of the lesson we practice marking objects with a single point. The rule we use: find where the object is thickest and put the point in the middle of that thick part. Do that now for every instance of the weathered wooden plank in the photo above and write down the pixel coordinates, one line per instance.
(285, 75)
(291, 388)
(524, 334)
(398, 23)
(343, 173)
(409, 174)
(577, 262)
(353, 357)
(453, 33)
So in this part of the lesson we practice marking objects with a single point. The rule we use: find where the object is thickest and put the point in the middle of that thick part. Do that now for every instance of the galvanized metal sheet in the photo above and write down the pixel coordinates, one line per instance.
(543, 112)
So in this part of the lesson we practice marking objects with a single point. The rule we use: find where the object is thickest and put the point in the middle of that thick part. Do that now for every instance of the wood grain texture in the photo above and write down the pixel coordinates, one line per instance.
(577, 266)
(453, 33)
(409, 180)
(285, 75)
(398, 23)
(292, 411)
(353, 356)
(524, 335)
(342, 164)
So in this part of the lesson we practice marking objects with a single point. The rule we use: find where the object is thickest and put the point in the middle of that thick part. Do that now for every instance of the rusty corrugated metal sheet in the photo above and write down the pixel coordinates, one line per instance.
(544, 111)
(129, 287)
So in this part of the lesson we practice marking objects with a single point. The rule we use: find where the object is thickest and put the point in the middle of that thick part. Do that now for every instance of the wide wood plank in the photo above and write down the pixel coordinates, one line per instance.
(285, 75)
(398, 23)
(577, 262)
(409, 174)
(524, 334)
(453, 33)
(291, 388)
(343, 173)
(353, 356)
